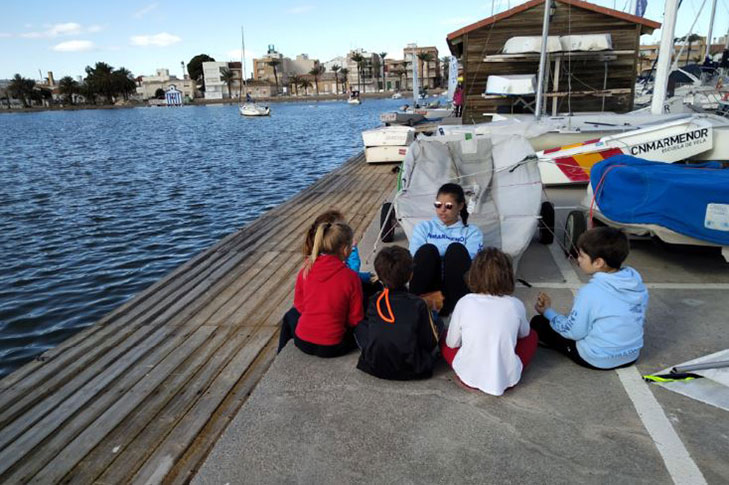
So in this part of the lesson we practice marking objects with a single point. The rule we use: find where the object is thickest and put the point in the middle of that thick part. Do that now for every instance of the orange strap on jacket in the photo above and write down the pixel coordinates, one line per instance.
(386, 295)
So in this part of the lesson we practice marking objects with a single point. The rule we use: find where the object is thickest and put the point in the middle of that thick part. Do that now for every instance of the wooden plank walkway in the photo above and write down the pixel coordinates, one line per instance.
(142, 395)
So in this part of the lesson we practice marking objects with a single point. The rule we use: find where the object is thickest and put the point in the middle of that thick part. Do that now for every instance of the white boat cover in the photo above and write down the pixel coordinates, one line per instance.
(388, 136)
(531, 44)
(498, 173)
(385, 154)
(586, 42)
(512, 84)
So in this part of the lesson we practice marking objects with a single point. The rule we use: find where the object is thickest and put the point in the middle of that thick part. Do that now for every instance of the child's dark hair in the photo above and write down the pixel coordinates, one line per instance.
(607, 243)
(491, 273)
(330, 217)
(457, 192)
(394, 266)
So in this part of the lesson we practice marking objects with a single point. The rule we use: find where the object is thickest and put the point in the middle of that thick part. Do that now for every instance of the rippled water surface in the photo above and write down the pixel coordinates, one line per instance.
(97, 205)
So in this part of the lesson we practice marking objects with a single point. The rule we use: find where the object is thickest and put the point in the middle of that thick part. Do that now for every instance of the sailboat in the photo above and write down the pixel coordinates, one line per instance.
(249, 108)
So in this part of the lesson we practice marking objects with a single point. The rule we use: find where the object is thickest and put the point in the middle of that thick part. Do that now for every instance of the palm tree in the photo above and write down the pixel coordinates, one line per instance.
(359, 60)
(446, 69)
(344, 72)
(306, 84)
(382, 63)
(123, 82)
(335, 70)
(690, 39)
(425, 58)
(317, 71)
(400, 72)
(68, 86)
(227, 76)
(21, 88)
(273, 63)
(295, 81)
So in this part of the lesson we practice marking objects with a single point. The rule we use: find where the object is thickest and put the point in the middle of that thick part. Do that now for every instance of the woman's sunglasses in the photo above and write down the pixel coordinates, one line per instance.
(438, 204)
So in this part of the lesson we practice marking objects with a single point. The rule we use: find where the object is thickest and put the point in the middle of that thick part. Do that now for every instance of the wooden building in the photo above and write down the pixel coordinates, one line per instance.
(584, 81)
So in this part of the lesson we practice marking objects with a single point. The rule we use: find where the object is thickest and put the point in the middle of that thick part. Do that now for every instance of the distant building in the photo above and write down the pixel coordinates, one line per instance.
(396, 75)
(263, 69)
(215, 86)
(147, 86)
(259, 89)
(368, 80)
(173, 96)
(428, 72)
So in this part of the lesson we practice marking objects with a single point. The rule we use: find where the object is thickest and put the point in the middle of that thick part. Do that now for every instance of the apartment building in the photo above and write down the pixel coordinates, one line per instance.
(428, 72)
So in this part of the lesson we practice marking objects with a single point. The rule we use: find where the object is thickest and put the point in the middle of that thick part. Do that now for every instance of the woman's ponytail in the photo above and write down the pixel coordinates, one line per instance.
(464, 215)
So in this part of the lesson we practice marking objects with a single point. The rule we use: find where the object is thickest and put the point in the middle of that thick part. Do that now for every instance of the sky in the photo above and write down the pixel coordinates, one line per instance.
(143, 35)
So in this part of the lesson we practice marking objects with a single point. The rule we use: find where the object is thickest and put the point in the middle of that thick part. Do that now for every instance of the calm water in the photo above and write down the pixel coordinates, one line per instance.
(97, 205)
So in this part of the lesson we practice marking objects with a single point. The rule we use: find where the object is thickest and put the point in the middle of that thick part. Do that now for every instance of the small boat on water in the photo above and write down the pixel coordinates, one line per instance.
(254, 109)
(249, 108)
(354, 98)
(397, 95)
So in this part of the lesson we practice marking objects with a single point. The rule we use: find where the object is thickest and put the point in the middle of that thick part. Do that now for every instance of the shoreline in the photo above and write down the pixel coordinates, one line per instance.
(202, 102)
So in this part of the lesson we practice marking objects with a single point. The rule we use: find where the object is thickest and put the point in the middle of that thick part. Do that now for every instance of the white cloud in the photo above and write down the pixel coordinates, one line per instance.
(57, 30)
(162, 39)
(144, 11)
(299, 9)
(74, 46)
(5, 34)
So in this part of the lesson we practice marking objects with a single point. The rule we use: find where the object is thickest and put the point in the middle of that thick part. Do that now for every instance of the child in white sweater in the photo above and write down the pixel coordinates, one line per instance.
(489, 341)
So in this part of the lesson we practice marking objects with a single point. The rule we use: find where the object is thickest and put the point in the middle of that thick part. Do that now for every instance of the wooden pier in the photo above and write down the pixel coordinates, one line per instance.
(142, 395)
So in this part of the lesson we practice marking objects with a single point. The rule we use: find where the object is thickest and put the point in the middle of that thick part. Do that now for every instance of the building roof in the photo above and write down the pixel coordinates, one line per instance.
(649, 24)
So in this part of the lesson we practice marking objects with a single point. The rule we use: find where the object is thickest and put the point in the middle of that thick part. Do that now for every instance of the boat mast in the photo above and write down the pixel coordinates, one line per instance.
(242, 62)
(664, 57)
(543, 60)
(711, 29)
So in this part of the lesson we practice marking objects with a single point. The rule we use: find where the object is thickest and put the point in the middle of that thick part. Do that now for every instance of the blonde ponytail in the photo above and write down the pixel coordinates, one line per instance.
(329, 238)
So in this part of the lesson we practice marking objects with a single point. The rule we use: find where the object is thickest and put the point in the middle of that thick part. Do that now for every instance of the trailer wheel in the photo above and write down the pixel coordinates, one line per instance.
(387, 223)
(546, 223)
(574, 226)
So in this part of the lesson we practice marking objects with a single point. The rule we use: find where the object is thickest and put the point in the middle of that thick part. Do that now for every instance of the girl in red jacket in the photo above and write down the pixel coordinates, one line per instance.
(328, 295)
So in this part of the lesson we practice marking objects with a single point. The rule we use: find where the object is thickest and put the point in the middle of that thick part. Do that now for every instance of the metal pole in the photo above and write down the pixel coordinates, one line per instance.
(711, 29)
(664, 57)
(543, 59)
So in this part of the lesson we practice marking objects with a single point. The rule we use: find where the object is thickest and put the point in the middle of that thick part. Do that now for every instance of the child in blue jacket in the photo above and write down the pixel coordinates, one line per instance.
(604, 330)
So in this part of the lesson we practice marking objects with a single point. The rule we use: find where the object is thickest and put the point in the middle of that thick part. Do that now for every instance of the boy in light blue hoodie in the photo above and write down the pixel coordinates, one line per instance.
(604, 330)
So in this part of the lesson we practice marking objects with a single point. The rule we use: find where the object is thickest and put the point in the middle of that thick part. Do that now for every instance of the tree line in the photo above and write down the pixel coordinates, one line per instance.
(102, 83)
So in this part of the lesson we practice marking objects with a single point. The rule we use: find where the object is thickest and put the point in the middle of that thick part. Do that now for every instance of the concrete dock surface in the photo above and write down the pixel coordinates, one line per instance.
(313, 420)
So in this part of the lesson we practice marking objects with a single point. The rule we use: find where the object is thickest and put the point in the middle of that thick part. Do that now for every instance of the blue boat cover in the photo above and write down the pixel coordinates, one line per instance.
(692, 200)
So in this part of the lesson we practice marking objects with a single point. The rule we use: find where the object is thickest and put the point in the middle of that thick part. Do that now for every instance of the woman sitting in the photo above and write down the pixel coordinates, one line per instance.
(443, 248)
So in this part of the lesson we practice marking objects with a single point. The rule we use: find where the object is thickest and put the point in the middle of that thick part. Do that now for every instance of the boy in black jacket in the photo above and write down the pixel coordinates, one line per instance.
(398, 337)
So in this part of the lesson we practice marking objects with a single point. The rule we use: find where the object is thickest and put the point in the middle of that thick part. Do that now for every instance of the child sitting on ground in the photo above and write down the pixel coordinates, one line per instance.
(489, 343)
(291, 317)
(398, 337)
(604, 330)
(328, 295)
